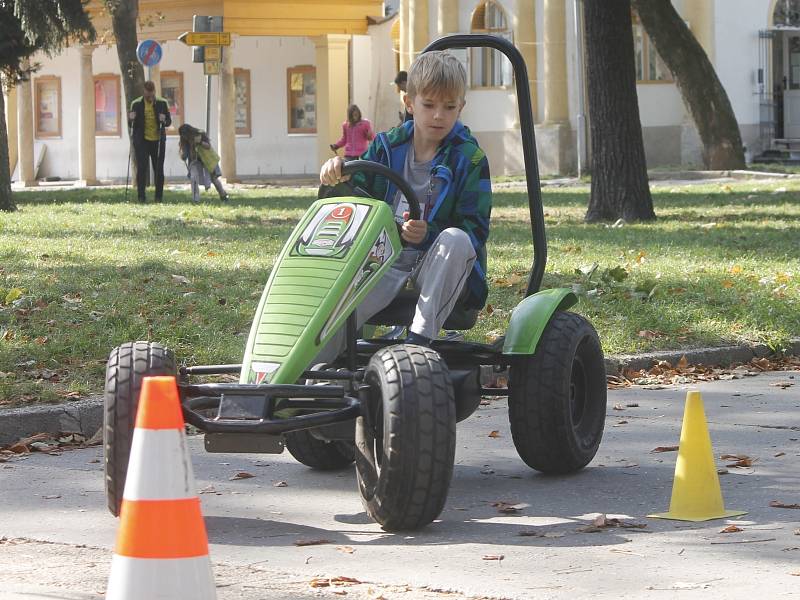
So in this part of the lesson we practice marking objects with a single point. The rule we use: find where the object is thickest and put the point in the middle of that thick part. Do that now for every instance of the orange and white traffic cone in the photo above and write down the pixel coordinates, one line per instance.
(162, 547)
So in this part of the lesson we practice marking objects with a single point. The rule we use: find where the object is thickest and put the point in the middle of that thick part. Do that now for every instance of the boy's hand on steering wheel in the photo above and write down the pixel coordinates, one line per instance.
(413, 231)
(331, 172)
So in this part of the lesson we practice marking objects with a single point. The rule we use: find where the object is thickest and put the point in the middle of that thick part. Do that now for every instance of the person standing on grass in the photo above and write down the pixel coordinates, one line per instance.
(148, 120)
(201, 161)
(356, 134)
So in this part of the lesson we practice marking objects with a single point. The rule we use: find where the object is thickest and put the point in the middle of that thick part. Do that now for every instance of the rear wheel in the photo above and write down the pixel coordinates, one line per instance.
(405, 441)
(557, 402)
(319, 454)
(127, 366)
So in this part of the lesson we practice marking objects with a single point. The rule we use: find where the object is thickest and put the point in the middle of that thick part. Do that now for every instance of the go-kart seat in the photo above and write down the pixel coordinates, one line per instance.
(401, 312)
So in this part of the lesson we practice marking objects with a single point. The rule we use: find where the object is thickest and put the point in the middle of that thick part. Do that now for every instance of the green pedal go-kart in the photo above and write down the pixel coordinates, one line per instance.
(389, 408)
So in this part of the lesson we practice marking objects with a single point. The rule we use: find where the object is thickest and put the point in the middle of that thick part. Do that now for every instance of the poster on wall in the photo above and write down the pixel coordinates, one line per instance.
(48, 105)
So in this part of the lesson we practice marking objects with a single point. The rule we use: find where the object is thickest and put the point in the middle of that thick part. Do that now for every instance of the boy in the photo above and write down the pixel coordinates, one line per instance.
(445, 255)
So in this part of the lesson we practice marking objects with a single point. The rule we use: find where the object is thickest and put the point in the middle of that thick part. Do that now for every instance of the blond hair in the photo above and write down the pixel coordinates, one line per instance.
(437, 73)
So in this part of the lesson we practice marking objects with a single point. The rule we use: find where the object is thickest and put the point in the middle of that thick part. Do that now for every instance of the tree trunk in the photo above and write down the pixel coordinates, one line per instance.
(124, 17)
(702, 92)
(6, 201)
(619, 170)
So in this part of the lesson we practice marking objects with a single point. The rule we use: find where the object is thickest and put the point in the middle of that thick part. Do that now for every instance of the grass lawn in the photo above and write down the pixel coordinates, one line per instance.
(81, 271)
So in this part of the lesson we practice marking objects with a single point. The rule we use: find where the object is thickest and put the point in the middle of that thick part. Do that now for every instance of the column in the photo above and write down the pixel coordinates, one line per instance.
(227, 117)
(11, 127)
(333, 83)
(525, 35)
(404, 35)
(25, 130)
(418, 18)
(556, 109)
(448, 17)
(87, 173)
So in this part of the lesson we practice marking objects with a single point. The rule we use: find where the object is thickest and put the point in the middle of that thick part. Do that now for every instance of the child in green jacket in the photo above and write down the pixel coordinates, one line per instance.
(445, 256)
(201, 161)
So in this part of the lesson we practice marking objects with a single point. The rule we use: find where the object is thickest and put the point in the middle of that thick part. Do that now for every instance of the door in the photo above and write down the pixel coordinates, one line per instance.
(791, 84)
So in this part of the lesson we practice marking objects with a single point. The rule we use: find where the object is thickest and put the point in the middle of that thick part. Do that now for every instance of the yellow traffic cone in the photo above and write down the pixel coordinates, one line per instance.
(162, 548)
(696, 495)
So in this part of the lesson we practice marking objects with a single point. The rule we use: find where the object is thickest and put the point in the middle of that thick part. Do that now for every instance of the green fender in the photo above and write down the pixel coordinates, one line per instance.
(531, 316)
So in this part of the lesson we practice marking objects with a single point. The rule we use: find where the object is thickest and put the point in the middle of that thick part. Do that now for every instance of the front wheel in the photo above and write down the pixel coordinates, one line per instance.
(127, 366)
(557, 401)
(406, 439)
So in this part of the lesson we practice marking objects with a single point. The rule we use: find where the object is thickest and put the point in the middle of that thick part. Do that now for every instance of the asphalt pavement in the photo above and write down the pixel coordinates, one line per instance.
(56, 536)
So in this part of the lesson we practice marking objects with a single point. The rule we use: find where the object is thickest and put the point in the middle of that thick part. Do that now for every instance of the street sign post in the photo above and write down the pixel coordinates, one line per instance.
(149, 53)
(207, 40)
(201, 38)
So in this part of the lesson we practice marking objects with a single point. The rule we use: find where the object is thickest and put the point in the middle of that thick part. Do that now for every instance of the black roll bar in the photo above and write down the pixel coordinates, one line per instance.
(480, 40)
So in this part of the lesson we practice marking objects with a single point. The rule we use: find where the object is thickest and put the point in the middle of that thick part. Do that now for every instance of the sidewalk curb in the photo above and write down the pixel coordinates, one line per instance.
(86, 416)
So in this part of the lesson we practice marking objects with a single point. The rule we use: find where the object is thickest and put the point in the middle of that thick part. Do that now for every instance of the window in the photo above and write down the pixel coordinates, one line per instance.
(489, 68)
(241, 78)
(787, 13)
(649, 66)
(301, 83)
(47, 92)
(106, 105)
(172, 92)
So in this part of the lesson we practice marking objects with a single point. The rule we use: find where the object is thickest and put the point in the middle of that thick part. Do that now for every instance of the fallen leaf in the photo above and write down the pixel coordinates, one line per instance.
(209, 489)
(280, 484)
(619, 407)
(731, 529)
(493, 557)
(602, 522)
(665, 449)
(741, 460)
(494, 434)
(780, 454)
(778, 504)
(53, 497)
(241, 475)
(508, 508)
(319, 582)
(312, 542)
(782, 384)
(345, 549)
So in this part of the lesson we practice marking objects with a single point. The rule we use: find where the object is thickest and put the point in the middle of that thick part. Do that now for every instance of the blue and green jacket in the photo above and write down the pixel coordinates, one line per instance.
(464, 200)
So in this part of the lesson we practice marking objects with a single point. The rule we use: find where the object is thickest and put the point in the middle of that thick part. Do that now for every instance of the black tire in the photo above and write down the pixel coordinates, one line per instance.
(406, 438)
(319, 454)
(557, 401)
(127, 366)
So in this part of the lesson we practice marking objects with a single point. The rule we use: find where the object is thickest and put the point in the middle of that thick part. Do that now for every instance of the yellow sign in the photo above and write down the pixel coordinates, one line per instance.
(196, 38)
(211, 67)
(213, 53)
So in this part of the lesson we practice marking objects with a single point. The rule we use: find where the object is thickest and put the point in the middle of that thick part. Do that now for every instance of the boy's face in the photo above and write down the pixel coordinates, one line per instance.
(434, 115)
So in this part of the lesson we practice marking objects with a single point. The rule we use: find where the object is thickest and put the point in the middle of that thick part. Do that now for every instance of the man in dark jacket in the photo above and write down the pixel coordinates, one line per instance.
(148, 120)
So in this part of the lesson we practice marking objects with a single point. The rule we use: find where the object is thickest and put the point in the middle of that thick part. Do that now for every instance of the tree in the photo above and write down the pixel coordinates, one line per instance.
(619, 170)
(124, 17)
(27, 27)
(702, 92)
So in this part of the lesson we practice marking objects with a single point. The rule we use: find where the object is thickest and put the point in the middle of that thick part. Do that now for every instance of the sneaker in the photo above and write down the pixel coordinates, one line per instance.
(418, 340)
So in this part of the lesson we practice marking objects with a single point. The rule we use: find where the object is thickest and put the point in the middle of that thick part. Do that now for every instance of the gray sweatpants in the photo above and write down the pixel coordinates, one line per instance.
(439, 274)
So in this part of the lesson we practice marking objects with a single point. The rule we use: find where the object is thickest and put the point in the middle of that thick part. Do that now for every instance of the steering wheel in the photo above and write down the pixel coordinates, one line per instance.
(367, 166)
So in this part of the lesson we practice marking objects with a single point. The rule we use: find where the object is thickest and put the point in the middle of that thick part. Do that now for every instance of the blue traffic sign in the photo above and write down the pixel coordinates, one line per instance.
(149, 53)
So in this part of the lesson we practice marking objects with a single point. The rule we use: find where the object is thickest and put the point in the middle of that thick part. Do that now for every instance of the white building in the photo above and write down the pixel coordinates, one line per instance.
(295, 66)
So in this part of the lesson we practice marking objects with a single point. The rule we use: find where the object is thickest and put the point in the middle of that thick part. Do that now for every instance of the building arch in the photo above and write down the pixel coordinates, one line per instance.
(488, 67)
(784, 14)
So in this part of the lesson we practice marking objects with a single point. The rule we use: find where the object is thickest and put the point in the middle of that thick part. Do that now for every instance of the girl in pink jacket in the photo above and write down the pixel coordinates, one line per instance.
(356, 134)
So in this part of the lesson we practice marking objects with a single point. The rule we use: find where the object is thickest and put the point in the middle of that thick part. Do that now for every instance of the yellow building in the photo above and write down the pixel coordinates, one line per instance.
(294, 67)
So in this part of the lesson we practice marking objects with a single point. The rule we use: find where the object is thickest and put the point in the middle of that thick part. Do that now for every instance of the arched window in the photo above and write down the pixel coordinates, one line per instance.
(489, 68)
(787, 13)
